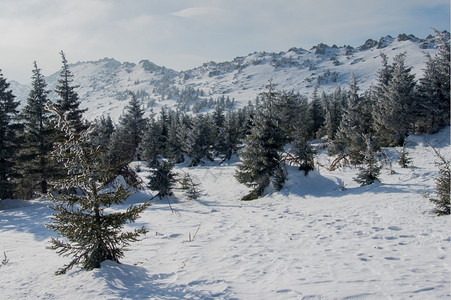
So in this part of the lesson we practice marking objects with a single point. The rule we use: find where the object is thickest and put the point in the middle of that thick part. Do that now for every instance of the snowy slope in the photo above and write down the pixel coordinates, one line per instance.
(104, 84)
(312, 240)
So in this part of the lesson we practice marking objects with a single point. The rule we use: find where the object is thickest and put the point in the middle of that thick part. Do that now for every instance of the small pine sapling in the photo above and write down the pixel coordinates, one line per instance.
(91, 234)
(442, 186)
(191, 189)
(369, 172)
(404, 159)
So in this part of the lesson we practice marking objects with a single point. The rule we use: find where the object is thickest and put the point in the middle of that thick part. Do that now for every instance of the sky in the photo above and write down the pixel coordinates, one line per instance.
(183, 34)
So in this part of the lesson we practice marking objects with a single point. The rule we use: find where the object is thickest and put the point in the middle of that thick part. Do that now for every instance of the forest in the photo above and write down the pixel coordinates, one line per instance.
(49, 149)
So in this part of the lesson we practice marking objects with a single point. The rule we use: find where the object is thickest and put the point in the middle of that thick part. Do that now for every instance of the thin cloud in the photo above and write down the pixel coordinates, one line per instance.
(195, 12)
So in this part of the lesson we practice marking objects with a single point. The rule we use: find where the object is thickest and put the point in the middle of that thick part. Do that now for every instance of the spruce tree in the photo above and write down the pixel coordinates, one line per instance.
(334, 105)
(442, 186)
(228, 139)
(316, 114)
(404, 160)
(198, 139)
(9, 130)
(133, 123)
(68, 102)
(355, 124)
(152, 145)
(393, 110)
(432, 105)
(91, 234)
(35, 167)
(370, 169)
(260, 162)
(162, 178)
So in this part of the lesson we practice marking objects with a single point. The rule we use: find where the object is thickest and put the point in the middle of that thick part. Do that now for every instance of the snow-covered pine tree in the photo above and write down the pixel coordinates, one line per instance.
(198, 139)
(226, 143)
(303, 152)
(91, 235)
(316, 114)
(442, 186)
(432, 105)
(39, 134)
(370, 170)
(355, 124)
(68, 102)
(151, 144)
(9, 129)
(260, 162)
(133, 123)
(393, 109)
(162, 178)
(176, 132)
(334, 105)
(404, 160)
(191, 189)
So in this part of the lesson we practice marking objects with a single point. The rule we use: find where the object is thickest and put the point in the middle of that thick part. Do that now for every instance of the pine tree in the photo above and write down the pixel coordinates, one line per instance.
(303, 152)
(133, 123)
(369, 172)
(152, 145)
(92, 234)
(404, 160)
(162, 178)
(355, 124)
(261, 164)
(442, 186)
(316, 114)
(334, 105)
(68, 102)
(227, 141)
(199, 139)
(9, 129)
(38, 137)
(393, 110)
(191, 189)
(432, 105)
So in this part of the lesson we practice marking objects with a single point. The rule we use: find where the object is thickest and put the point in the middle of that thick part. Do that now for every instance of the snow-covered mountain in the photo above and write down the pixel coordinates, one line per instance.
(105, 84)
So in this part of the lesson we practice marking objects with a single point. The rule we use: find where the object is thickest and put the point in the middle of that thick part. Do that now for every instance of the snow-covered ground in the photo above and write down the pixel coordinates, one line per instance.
(321, 237)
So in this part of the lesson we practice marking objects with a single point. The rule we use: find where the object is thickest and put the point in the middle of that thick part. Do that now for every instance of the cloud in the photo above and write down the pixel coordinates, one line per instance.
(195, 12)
(180, 34)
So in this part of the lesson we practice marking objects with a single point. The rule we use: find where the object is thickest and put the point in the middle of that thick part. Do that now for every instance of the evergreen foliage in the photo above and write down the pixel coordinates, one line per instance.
(316, 114)
(355, 124)
(191, 189)
(334, 106)
(133, 124)
(162, 178)
(152, 144)
(9, 128)
(442, 186)
(369, 172)
(39, 134)
(404, 160)
(261, 163)
(92, 234)
(68, 102)
(394, 107)
(432, 105)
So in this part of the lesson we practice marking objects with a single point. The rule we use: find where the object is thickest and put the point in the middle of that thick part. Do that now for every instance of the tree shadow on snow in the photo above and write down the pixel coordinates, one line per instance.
(317, 185)
(133, 282)
(26, 216)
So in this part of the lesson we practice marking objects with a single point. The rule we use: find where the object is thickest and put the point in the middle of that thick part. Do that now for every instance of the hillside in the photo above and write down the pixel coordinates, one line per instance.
(320, 237)
(104, 84)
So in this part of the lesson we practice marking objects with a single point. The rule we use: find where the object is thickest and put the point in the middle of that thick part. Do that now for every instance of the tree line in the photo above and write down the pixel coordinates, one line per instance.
(268, 134)
(48, 148)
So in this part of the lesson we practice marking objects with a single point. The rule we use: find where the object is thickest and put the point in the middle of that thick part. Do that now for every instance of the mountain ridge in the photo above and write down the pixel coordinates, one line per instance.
(105, 84)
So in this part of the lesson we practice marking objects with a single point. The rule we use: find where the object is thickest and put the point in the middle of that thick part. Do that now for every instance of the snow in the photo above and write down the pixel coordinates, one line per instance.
(104, 84)
(321, 237)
